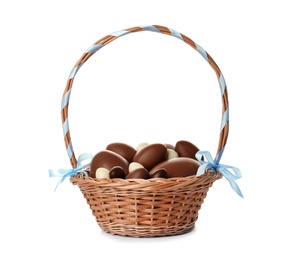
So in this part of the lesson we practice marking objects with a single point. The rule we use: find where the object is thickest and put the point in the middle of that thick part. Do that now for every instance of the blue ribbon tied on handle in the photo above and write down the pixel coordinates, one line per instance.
(231, 175)
(64, 173)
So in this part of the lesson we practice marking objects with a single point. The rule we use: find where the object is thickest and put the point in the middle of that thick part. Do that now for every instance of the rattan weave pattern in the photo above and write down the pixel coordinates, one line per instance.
(153, 207)
(146, 208)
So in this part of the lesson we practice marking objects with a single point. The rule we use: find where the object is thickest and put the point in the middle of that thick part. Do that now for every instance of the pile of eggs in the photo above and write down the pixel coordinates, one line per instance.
(156, 160)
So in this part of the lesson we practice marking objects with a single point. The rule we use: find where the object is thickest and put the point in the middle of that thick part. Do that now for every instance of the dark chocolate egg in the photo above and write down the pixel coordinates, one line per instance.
(107, 159)
(160, 173)
(117, 172)
(150, 155)
(178, 167)
(140, 173)
(186, 149)
(124, 150)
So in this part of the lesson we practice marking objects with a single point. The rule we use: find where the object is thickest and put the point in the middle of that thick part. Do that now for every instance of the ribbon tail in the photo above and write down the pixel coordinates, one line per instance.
(231, 178)
(237, 173)
(58, 183)
(60, 173)
(56, 173)
(236, 188)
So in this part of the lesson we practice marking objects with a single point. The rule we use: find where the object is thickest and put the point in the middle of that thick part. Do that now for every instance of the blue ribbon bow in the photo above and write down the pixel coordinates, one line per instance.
(222, 168)
(64, 173)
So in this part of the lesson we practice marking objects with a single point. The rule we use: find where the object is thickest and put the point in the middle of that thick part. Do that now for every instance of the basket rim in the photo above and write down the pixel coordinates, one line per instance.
(152, 184)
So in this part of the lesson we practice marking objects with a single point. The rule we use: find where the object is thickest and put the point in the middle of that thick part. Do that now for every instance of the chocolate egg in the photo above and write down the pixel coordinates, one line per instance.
(171, 154)
(140, 173)
(178, 167)
(141, 145)
(124, 150)
(107, 159)
(160, 173)
(150, 155)
(169, 146)
(186, 149)
(101, 173)
(117, 172)
(134, 165)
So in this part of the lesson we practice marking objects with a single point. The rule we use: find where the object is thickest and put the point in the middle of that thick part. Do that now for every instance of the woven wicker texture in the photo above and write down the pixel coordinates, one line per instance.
(138, 207)
(146, 208)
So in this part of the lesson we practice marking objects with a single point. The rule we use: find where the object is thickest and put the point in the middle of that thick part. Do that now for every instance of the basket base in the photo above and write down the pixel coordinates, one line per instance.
(146, 208)
(144, 231)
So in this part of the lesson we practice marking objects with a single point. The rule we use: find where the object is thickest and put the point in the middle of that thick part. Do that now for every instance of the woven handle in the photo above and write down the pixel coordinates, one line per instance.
(153, 28)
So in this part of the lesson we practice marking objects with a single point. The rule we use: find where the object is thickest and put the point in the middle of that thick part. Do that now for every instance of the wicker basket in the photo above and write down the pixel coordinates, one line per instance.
(138, 207)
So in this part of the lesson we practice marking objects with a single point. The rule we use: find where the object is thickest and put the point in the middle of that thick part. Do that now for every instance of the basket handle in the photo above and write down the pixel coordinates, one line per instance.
(224, 129)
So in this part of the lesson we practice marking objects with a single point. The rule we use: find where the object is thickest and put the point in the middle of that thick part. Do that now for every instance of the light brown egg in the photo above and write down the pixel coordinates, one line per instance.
(140, 173)
(186, 149)
(124, 150)
(177, 167)
(150, 155)
(107, 159)
(160, 173)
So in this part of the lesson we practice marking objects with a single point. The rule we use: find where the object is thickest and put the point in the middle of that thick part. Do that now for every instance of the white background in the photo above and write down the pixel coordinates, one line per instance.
(166, 92)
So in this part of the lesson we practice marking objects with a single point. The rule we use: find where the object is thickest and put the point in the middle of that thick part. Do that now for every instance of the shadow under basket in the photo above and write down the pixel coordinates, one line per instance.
(146, 208)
